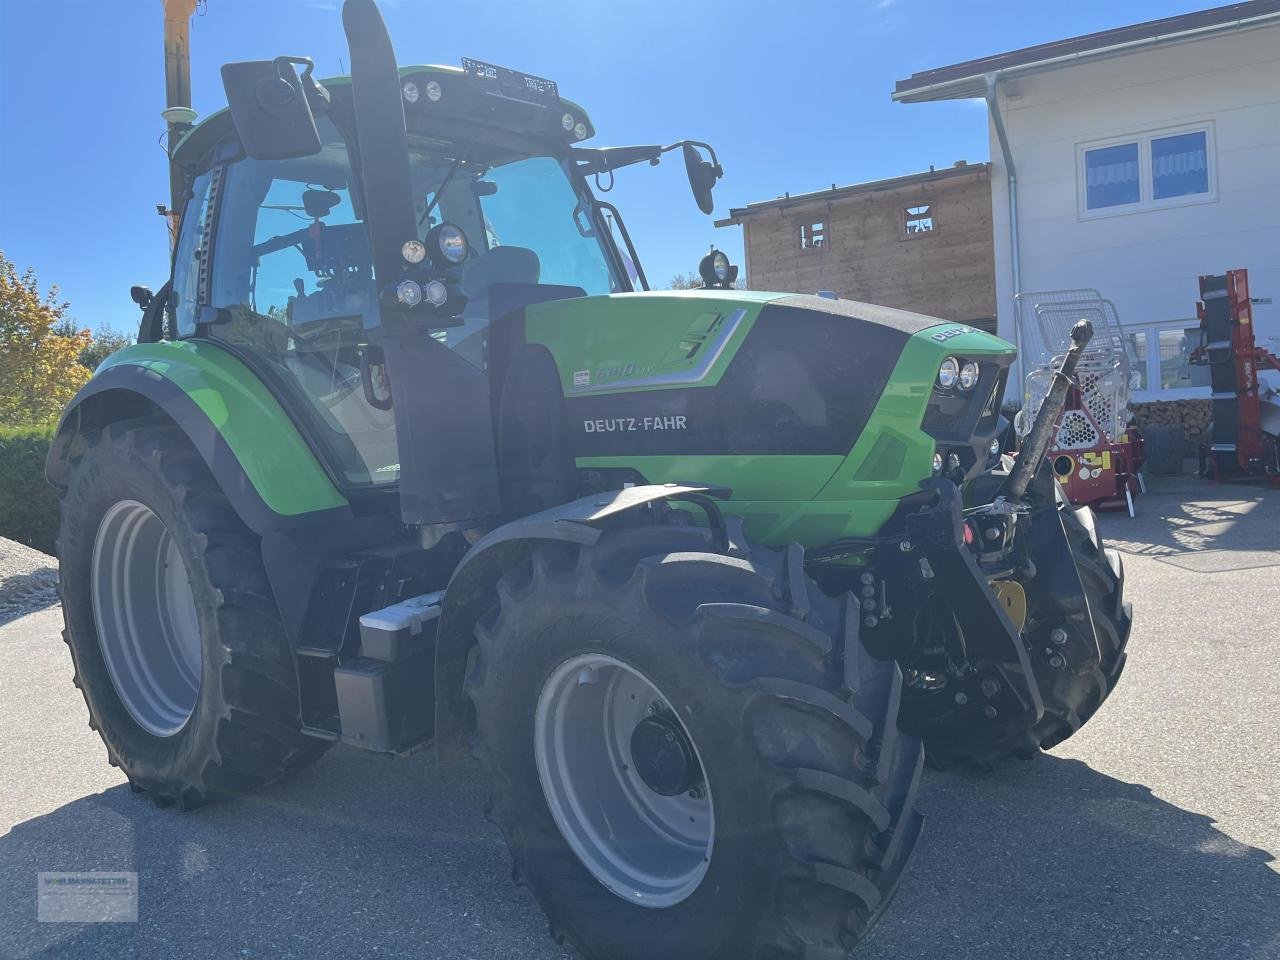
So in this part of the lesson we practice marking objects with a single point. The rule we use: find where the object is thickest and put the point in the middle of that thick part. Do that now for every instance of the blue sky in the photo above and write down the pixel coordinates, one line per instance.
(794, 94)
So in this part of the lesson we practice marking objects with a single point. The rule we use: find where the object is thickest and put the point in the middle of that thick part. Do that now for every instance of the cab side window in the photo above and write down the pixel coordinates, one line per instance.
(292, 285)
(183, 305)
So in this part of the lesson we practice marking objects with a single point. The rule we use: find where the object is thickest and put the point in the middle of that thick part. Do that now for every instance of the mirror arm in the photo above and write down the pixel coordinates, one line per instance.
(312, 89)
(607, 159)
(715, 161)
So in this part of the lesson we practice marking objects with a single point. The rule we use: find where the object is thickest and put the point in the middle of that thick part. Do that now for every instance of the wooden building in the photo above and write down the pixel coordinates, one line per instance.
(922, 242)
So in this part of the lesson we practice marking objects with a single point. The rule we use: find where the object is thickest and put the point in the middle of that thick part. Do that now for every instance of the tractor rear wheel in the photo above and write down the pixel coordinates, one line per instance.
(175, 637)
(676, 761)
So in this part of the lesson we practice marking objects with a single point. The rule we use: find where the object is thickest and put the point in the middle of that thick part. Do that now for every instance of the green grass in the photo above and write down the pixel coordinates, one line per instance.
(28, 504)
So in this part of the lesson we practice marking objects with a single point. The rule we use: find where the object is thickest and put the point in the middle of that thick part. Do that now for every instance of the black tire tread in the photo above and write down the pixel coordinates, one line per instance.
(259, 739)
(792, 625)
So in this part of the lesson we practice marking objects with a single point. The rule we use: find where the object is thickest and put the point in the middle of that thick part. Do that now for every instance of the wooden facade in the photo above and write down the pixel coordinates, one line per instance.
(921, 242)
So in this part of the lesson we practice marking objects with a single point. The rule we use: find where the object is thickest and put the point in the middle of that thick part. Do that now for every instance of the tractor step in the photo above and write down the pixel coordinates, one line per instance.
(385, 701)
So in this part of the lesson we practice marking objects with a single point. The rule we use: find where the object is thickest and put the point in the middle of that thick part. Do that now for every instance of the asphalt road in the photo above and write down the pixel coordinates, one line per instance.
(1152, 833)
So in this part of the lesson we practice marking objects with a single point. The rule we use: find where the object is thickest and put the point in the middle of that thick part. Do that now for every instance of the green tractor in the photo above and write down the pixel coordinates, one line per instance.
(408, 454)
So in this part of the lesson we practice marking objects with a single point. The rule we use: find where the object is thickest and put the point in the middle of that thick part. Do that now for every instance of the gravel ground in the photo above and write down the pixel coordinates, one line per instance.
(1151, 834)
(28, 580)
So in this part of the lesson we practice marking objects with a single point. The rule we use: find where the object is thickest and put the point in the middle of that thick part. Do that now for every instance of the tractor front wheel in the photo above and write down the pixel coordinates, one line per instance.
(175, 637)
(679, 760)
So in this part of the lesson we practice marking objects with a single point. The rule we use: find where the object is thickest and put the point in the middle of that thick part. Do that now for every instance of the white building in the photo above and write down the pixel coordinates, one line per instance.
(1133, 161)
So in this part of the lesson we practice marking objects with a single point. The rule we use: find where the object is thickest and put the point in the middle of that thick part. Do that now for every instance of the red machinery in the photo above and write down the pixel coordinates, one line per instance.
(1096, 453)
(1246, 413)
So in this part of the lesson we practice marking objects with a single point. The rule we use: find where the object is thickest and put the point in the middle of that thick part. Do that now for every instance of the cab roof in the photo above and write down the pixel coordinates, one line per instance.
(197, 142)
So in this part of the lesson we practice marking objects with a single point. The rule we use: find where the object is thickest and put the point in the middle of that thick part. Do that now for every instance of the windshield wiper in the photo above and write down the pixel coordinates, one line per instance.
(449, 175)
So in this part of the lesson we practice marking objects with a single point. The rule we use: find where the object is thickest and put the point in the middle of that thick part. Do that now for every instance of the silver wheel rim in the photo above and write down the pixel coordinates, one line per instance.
(145, 614)
(649, 849)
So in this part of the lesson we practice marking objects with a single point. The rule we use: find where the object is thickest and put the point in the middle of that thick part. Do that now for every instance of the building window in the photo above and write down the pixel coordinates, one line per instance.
(1160, 360)
(918, 219)
(1111, 176)
(1136, 345)
(1157, 169)
(1179, 165)
(813, 236)
(1176, 345)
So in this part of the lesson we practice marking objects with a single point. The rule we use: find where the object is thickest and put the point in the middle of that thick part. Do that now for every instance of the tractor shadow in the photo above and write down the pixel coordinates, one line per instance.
(1053, 858)
(1184, 515)
(27, 593)
(360, 856)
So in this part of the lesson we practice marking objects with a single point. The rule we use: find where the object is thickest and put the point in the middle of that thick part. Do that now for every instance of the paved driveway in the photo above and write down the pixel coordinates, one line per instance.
(1152, 833)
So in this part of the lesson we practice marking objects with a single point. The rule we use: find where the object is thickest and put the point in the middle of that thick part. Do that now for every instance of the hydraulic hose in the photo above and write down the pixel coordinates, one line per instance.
(1041, 433)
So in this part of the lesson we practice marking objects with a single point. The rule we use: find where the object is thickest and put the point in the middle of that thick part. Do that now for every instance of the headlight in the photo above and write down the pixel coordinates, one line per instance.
(968, 375)
(949, 373)
(434, 92)
(567, 122)
(995, 446)
(580, 131)
(937, 463)
(410, 91)
(446, 242)
(720, 264)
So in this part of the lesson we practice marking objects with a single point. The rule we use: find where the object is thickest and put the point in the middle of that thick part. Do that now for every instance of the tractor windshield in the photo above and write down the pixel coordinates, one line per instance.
(293, 280)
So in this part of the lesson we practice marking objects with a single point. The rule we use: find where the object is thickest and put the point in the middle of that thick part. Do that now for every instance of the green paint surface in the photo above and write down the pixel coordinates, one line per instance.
(622, 336)
(263, 439)
(811, 500)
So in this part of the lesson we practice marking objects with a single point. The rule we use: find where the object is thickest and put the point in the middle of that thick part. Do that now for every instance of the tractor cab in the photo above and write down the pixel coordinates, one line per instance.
(325, 273)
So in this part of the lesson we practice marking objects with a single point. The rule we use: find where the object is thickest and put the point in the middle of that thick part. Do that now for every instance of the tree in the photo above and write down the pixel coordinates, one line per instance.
(102, 344)
(686, 281)
(40, 368)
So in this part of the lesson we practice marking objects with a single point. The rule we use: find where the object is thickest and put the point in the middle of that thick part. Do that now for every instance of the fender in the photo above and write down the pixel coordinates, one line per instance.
(256, 455)
(253, 449)
(471, 589)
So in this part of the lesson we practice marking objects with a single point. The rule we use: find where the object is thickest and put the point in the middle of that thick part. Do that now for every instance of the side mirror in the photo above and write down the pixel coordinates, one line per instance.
(141, 296)
(703, 175)
(271, 108)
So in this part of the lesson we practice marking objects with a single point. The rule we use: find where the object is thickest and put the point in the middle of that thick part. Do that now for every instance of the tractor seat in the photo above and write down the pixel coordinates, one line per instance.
(499, 265)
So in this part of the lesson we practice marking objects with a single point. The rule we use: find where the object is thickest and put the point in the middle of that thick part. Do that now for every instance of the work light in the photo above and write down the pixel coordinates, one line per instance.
(716, 270)
(414, 251)
(447, 244)
(409, 293)
(437, 293)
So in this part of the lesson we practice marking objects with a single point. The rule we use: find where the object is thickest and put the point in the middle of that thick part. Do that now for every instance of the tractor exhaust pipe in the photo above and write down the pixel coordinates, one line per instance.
(1041, 434)
(444, 432)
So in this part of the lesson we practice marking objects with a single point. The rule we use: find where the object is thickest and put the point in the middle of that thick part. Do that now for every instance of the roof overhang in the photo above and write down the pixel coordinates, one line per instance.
(968, 80)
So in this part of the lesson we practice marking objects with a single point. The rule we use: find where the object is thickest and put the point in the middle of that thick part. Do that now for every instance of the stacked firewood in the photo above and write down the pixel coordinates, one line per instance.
(1194, 416)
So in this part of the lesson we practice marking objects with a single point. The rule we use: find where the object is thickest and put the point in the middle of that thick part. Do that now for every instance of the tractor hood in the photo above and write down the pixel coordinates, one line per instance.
(690, 339)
